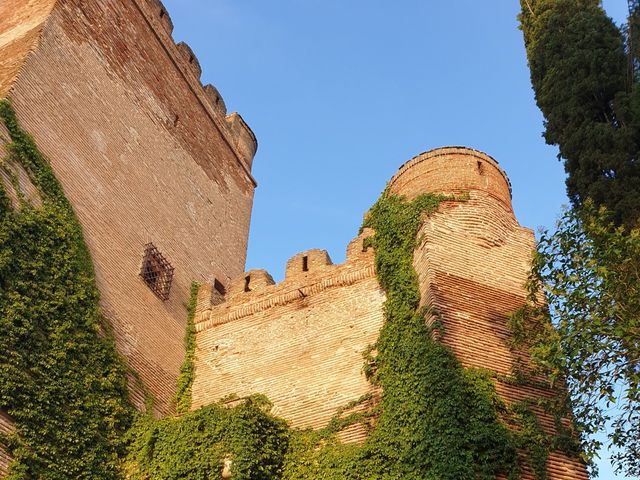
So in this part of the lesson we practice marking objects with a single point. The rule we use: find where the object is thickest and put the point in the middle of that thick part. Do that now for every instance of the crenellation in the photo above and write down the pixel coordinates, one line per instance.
(237, 133)
(248, 283)
(163, 15)
(305, 264)
(319, 320)
(216, 99)
(244, 139)
(189, 58)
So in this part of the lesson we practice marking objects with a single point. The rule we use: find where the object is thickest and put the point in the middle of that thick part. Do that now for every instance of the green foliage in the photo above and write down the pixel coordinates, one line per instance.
(531, 438)
(587, 85)
(588, 333)
(182, 398)
(64, 384)
(196, 445)
(431, 406)
(580, 75)
(61, 379)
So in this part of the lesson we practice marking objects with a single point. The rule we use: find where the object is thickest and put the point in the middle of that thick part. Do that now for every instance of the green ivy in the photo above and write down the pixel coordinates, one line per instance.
(61, 379)
(531, 438)
(196, 445)
(182, 397)
(64, 384)
(431, 406)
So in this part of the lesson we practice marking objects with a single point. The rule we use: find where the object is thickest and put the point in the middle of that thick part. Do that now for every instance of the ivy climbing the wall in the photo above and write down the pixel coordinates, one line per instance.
(61, 379)
(182, 398)
(434, 419)
(431, 407)
(64, 384)
(197, 444)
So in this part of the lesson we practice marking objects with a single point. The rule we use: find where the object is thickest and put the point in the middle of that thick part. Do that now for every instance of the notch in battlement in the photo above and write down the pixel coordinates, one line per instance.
(306, 273)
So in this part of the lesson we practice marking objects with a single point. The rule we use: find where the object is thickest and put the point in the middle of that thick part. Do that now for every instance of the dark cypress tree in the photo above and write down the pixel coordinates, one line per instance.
(585, 74)
(585, 87)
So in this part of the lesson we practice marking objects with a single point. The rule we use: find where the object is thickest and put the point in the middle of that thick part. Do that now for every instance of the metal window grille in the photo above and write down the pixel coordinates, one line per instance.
(156, 271)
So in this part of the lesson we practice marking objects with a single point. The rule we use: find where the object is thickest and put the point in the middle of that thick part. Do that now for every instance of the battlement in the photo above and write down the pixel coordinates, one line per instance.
(21, 24)
(452, 170)
(240, 137)
(300, 341)
(307, 273)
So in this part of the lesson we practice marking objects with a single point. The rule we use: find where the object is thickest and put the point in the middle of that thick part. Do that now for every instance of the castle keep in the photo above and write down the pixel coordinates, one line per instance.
(145, 154)
(159, 175)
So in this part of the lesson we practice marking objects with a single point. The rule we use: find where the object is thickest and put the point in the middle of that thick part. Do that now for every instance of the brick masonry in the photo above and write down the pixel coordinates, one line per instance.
(472, 263)
(6, 427)
(144, 153)
(299, 342)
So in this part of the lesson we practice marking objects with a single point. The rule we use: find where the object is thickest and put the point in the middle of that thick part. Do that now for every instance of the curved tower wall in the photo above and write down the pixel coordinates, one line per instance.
(472, 262)
(474, 257)
(452, 170)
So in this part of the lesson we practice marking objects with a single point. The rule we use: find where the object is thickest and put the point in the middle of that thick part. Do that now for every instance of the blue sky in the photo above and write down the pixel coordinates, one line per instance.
(341, 93)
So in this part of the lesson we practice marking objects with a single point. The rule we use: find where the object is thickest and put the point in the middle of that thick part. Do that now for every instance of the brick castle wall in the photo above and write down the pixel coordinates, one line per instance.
(299, 342)
(21, 23)
(144, 152)
(472, 264)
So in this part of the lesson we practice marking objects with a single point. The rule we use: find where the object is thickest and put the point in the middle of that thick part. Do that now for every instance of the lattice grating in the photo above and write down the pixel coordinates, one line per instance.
(156, 271)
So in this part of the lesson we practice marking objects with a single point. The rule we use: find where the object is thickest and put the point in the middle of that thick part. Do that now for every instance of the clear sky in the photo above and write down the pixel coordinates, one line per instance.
(341, 93)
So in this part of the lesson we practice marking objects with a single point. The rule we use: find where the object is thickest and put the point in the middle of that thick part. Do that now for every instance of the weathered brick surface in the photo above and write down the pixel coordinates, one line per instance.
(472, 264)
(21, 22)
(143, 155)
(146, 153)
(300, 342)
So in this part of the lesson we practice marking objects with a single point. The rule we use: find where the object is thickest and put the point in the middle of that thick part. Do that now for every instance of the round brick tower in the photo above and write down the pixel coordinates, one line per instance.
(452, 170)
(472, 261)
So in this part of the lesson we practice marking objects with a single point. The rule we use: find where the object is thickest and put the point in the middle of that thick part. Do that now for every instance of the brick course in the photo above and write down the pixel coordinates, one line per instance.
(143, 155)
(299, 342)
(472, 262)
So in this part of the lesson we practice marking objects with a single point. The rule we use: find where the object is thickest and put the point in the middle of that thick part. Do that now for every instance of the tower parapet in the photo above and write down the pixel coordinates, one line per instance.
(452, 170)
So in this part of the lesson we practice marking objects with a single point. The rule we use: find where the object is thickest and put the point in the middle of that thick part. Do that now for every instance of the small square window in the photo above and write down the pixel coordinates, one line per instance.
(156, 271)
